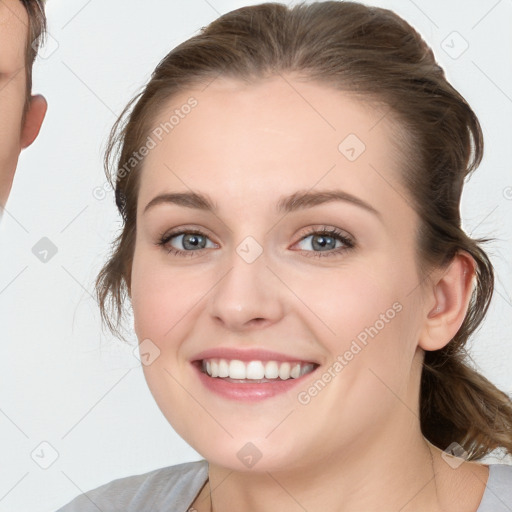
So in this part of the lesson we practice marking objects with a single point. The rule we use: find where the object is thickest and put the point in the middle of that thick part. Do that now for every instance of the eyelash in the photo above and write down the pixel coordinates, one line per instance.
(165, 238)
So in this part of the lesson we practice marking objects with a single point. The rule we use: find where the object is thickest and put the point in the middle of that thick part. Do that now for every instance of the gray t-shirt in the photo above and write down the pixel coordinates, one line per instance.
(174, 489)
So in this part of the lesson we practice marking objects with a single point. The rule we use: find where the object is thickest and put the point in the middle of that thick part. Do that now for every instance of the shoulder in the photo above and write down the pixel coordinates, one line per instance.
(498, 492)
(156, 490)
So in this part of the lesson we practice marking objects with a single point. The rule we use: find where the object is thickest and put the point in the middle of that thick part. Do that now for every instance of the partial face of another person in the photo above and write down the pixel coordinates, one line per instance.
(14, 133)
(264, 278)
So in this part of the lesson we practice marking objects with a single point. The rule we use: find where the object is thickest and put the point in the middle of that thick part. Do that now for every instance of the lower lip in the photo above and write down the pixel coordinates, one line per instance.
(249, 392)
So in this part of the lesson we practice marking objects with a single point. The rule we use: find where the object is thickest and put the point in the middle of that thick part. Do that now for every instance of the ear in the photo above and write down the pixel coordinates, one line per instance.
(448, 301)
(33, 120)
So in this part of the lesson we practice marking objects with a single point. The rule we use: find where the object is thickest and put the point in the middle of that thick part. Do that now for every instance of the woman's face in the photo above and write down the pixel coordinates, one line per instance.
(269, 279)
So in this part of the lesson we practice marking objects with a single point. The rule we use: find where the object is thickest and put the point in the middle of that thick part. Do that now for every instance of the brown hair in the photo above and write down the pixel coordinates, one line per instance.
(375, 54)
(36, 34)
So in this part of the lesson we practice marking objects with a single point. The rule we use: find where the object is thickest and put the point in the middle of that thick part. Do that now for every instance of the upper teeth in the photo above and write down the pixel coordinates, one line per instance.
(255, 370)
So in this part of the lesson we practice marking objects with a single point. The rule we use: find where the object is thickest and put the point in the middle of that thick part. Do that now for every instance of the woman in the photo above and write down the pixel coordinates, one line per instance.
(302, 289)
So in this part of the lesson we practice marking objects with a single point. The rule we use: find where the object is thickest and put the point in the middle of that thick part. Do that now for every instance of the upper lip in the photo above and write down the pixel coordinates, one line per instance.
(254, 354)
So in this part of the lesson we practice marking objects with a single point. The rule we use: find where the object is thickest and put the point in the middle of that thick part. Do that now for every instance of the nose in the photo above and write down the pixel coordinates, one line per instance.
(247, 296)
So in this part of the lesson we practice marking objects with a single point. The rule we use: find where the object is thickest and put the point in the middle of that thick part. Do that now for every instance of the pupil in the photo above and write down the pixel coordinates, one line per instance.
(324, 242)
(193, 240)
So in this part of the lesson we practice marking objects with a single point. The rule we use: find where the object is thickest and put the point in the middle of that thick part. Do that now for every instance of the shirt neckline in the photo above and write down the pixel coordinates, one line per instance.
(485, 496)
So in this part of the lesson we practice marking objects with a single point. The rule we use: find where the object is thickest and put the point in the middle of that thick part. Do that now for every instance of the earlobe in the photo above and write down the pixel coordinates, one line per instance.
(451, 294)
(33, 120)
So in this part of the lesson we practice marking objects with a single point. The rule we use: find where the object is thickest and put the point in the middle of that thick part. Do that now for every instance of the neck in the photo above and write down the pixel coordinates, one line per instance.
(364, 477)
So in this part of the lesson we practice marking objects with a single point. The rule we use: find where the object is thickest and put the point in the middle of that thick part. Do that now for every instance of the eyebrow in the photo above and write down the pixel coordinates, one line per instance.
(299, 200)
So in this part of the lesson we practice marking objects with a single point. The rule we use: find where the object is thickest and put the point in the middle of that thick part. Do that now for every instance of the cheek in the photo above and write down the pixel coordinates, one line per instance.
(348, 299)
(11, 111)
(163, 306)
(366, 322)
(12, 102)
(164, 296)
(10, 129)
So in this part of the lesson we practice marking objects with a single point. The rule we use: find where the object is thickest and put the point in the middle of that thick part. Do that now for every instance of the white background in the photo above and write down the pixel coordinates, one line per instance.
(63, 380)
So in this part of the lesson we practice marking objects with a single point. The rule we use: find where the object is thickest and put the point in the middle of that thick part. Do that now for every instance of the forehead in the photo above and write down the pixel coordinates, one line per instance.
(269, 138)
(13, 35)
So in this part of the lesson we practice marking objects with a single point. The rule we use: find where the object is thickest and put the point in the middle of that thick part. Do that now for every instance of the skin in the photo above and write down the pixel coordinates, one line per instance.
(357, 445)
(15, 134)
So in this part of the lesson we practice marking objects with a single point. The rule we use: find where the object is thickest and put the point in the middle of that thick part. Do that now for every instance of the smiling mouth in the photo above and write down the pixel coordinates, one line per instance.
(234, 370)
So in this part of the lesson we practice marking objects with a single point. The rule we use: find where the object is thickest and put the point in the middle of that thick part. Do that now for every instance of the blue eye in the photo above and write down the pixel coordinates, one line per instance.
(194, 240)
(324, 240)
